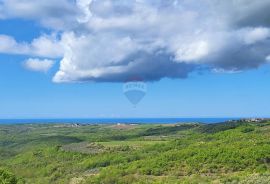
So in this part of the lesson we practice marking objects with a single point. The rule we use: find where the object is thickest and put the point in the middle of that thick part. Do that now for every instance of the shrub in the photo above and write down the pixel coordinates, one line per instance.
(8, 178)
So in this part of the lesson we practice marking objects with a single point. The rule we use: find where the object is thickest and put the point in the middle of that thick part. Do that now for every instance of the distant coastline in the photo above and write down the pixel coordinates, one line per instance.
(117, 120)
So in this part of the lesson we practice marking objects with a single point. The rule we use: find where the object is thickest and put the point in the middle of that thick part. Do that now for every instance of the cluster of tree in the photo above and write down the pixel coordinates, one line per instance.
(7, 177)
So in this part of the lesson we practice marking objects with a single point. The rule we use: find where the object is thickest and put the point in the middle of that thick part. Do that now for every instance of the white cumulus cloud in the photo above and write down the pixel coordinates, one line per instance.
(113, 40)
(38, 65)
(45, 46)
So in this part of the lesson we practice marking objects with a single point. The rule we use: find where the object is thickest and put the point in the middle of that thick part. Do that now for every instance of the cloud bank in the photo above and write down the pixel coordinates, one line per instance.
(113, 40)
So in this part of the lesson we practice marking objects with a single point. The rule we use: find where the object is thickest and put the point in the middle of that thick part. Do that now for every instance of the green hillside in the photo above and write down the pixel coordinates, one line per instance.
(232, 152)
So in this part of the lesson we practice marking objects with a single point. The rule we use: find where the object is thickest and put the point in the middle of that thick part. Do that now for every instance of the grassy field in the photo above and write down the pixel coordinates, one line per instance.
(232, 152)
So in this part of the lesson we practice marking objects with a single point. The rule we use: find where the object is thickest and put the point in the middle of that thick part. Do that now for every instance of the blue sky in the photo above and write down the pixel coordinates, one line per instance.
(54, 67)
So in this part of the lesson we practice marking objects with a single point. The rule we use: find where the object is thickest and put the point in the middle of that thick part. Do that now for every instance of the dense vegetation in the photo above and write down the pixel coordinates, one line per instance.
(232, 152)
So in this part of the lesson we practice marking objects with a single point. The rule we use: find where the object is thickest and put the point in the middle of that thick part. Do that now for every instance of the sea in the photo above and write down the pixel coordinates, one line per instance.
(116, 120)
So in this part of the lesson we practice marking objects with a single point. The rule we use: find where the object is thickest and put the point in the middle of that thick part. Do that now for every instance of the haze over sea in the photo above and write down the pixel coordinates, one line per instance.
(116, 120)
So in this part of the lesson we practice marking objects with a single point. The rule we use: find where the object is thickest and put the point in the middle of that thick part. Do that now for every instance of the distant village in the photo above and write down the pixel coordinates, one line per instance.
(251, 120)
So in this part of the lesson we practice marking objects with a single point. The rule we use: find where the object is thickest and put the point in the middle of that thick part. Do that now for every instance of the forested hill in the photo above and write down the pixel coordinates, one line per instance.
(230, 152)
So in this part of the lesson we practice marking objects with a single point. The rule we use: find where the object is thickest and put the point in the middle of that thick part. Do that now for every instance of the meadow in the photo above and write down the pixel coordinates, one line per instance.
(230, 152)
